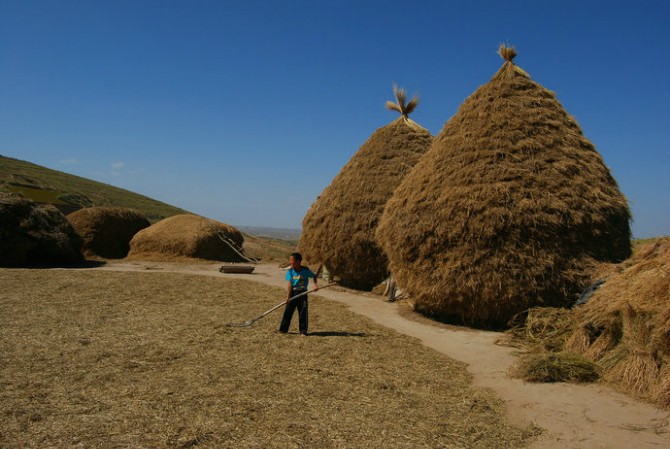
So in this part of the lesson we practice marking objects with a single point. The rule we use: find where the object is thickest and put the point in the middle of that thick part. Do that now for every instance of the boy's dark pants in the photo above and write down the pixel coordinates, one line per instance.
(302, 305)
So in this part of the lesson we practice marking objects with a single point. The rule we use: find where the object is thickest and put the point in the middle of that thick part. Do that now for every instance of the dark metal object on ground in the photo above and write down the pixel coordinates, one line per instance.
(245, 269)
(589, 291)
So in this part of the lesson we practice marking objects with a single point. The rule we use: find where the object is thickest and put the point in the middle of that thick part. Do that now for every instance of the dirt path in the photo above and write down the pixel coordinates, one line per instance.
(573, 416)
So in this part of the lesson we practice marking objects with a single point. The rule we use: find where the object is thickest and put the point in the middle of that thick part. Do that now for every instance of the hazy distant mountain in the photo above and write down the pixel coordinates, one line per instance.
(275, 233)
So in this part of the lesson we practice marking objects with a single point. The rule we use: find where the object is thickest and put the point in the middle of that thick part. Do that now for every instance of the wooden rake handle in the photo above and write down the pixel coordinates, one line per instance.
(253, 320)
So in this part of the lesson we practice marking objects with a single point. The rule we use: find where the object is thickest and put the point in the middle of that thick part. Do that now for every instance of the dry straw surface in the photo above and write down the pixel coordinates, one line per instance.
(105, 359)
(32, 234)
(624, 327)
(183, 237)
(556, 367)
(339, 228)
(506, 209)
(107, 231)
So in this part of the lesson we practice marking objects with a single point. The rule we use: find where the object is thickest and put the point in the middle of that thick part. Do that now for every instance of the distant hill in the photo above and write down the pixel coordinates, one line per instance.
(288, 234)
(69, 192)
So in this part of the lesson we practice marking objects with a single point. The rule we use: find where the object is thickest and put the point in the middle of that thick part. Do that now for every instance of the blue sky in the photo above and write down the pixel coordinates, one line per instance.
(244, 111)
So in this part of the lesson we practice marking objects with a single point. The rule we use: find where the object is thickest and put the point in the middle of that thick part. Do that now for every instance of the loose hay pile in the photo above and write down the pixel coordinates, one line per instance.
(557, 367)
(338, 230)
(32, 234)
(506, 210)
(105, 359)
(624, 328)
(107, 231)
(186, 236)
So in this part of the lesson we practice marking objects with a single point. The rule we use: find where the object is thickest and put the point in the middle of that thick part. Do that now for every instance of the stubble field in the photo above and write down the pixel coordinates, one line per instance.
(145, 360)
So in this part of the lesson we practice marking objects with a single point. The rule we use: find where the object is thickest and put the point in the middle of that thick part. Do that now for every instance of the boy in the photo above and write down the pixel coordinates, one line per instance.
(298, 280)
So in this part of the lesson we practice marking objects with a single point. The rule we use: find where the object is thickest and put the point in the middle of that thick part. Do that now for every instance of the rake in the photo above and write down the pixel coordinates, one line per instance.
(253, 320)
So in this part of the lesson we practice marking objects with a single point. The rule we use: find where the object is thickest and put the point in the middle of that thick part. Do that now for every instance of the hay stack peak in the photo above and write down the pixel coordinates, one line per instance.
(338, 230)
(509, 69)
(507, 52)
(404, 107)
(505, 210)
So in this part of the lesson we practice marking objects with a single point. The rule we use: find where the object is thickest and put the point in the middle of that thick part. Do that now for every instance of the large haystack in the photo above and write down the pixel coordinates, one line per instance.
(625, 325)
(338, 229)
(506, 208)
(32, 234)
(186, 236)
(107, 231)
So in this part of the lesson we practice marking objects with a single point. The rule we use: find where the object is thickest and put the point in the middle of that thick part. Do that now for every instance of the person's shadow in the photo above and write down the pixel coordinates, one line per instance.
(337, 334)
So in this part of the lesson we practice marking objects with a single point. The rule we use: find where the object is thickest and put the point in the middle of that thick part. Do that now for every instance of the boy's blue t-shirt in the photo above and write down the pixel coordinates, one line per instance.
(299, 279)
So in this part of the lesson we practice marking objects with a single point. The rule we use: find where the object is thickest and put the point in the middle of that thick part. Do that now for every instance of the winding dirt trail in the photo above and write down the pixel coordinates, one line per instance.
(573, 416)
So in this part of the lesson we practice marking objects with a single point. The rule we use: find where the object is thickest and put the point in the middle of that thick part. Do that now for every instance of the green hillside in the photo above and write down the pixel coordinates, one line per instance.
(70, 192)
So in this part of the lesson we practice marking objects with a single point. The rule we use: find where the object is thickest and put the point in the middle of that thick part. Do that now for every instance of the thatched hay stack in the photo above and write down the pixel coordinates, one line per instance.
(505, 210)
(32, 234)
(107, 231)
(186, 236)
(625, 326)
(338, 230)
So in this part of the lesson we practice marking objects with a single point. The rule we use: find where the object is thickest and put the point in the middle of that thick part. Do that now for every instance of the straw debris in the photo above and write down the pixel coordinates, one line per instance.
(127, 360)
(556, 367)
(624, 328)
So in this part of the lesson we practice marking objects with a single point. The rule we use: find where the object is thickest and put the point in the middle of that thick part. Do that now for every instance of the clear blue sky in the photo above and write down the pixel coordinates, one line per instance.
(244, 111)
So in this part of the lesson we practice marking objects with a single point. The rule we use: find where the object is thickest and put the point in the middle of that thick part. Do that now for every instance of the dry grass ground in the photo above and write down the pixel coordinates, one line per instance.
(145, 360)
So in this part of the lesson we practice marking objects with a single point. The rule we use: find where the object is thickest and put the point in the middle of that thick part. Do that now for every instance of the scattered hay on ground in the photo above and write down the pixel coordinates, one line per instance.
(183, 237)
(110, 359)
(624, 327)
(556, 367)
(107, 231)
(543, 328)
(33, 235)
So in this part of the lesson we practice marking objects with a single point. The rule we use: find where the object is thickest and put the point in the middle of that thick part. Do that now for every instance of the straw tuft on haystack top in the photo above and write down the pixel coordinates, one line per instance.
(625, 326)
(338, 230)
(507, 52)
(506, 210)
(107, 231)
(35, 235)
(186, 236)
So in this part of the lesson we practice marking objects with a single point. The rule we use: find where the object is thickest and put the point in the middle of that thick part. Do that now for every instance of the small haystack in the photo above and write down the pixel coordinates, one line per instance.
(505, 210)
(107, 231)
(338, 229)
(186, 236)
(625, 326)
(35, 235)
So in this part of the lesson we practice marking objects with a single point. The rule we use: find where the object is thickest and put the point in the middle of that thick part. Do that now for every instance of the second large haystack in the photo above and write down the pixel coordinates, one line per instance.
(339, 228)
